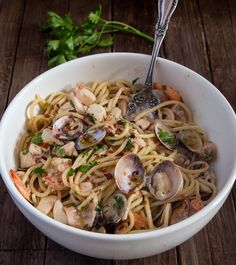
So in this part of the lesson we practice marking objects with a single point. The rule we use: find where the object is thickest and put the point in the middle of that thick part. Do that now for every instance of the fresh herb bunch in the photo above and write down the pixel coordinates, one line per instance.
(70, 40)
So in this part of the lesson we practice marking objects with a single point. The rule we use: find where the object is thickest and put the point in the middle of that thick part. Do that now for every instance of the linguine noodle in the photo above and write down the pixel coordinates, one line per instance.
(73, 186)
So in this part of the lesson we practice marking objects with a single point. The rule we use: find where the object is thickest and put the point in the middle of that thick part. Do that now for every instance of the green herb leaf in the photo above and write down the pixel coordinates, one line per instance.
(129, 144)
(39, 170)
(85, 168)
(70, 40)
(56, 60)
(99, 207)
(94, 17)
(123, 122)
(107, 42)
(37, 138)
(71, 172)
(166, 137)
(61, 152)
(119, 202)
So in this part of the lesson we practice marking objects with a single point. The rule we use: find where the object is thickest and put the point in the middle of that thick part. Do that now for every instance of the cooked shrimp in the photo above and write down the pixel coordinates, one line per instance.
(170, 92)
(25, 191)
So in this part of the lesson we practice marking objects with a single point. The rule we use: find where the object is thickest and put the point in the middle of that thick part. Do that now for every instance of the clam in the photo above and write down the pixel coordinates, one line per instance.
(191, 139)
(165, 180)
(115, 208)
(165, 136)
(67, 127)
(129, 173)
(90, 138)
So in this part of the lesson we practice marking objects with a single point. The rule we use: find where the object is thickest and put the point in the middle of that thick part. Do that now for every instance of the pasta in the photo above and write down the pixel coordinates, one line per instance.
(83, 164)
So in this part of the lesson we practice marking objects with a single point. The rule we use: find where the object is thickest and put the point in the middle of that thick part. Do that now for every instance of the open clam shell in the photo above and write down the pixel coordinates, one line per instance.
(165, 181)
(90, 138)
(129, 173)
(115, 208)
(191, 139)
(165, 136)
(67, 127)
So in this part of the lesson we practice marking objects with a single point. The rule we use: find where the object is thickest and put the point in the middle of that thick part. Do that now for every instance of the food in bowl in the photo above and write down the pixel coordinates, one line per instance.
(83, 164)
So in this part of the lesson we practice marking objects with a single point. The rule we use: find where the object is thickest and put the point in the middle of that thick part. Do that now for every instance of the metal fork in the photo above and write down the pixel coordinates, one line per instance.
(146, 99)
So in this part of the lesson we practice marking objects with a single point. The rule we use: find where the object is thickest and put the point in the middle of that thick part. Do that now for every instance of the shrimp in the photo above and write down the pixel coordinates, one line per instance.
(170, 92)
(140, 222)
(19, 185)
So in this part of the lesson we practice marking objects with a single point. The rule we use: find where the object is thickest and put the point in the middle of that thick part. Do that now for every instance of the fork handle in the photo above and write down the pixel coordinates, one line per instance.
(165, 10)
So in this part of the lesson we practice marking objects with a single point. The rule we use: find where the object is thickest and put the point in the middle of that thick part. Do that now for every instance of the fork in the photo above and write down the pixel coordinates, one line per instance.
(145, 99)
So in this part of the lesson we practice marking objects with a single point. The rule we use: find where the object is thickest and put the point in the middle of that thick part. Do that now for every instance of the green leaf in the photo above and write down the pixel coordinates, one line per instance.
(107, 42)
(85, 49)
(61, 152)
(71, 172)
(166, 137)
(53, 45)
(93, 38)
(129, 144)
(119, 202)
(94, 17)
(85, 168)
(56, 60)
(39, 170)
(99, 207)
(69, 43)
(37, 138)
(123, 122)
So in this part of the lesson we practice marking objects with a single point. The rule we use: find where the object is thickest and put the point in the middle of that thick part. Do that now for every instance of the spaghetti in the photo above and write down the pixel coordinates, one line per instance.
(70, 155)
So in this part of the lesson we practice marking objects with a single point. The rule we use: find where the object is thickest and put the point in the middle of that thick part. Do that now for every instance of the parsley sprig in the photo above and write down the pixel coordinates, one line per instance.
(70, 40)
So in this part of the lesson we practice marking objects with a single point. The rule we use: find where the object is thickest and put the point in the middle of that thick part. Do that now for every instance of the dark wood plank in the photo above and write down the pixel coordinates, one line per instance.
(185, 40)
(196, 250)
(62, 257)
(141, 15)
(31, 59)
(21, 257)
(11, 14)
(167, 258)
(16, 232)
(221, 39)
(231, 4)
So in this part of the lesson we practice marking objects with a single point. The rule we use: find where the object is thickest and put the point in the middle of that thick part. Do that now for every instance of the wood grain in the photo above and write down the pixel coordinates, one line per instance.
(201, 35)
(167, 258)
(66, 257)
(21, 257)
(141, 15)
(10, 25)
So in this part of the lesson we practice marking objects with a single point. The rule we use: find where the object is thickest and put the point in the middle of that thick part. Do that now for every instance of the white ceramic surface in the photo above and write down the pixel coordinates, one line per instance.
(211, 111)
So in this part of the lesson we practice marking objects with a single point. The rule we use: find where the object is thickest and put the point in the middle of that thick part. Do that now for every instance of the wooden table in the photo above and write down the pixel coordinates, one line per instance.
(202, 36)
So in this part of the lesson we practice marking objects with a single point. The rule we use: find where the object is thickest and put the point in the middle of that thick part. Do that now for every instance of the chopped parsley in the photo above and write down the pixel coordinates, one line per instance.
(166, 137)
(111, 142)
(119, 202)
(37, 138)
(85, 168)
(99, 207)
(129, 144)
(39, 170)
(208, 155)
(123, 122)
(71, 172)
(61, 152)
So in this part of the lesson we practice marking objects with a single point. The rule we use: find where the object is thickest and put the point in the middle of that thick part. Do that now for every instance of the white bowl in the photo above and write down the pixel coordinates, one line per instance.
(211, 110)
